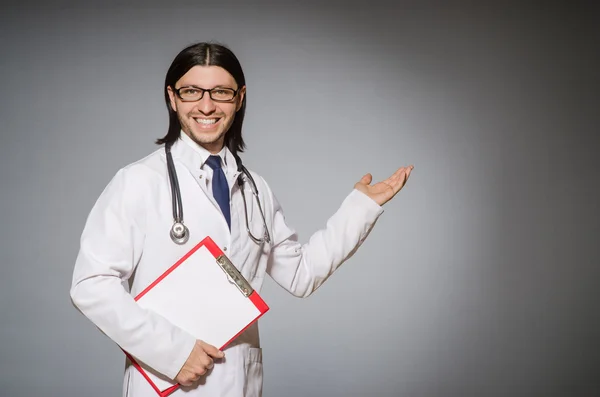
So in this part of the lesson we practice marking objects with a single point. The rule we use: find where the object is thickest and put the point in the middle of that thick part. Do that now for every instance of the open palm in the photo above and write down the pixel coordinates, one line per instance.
(384, 191)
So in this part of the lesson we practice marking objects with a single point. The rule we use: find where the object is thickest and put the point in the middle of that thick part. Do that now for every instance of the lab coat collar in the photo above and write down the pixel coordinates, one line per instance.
(194, 155)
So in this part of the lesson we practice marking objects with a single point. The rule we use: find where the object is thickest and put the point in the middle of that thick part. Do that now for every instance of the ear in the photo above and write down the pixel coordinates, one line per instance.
(172, 98)
(241, 96)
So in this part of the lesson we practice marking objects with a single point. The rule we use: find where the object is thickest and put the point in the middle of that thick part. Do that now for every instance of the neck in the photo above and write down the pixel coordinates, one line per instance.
(213, 147)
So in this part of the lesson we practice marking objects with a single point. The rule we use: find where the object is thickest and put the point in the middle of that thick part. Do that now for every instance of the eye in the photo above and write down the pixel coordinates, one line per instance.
(222, 94)
(189, 91)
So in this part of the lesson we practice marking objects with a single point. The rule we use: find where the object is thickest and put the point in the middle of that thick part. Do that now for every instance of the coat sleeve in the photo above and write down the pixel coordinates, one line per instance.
(302, 268)
(111, 246)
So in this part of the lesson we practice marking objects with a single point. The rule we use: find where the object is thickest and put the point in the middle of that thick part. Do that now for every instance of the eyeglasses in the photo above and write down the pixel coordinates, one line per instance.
(217, 94)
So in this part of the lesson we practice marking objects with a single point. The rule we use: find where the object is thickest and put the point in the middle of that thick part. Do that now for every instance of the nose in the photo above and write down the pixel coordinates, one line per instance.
(206, 105)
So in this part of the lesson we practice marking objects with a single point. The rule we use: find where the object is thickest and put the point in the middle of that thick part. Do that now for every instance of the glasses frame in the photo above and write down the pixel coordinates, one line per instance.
(203, 90)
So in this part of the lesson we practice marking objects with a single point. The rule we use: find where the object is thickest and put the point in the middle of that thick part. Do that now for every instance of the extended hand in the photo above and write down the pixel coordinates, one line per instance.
(198, 363)
(383, 191)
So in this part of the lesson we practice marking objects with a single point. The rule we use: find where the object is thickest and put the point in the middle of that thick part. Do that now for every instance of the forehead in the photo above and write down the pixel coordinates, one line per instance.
(207, 77)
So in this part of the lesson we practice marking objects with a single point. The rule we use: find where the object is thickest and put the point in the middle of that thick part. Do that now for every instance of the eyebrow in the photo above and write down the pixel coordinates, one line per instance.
(196, 86)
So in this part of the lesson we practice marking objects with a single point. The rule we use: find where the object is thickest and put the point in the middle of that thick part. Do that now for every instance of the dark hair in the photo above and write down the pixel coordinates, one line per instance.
(206, 54)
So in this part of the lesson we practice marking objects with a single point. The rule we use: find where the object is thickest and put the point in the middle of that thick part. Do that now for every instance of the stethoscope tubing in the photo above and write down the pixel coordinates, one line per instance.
(179, 232)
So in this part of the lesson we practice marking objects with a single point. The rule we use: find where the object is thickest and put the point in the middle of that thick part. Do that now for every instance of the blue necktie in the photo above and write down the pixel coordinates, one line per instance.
(220, 187)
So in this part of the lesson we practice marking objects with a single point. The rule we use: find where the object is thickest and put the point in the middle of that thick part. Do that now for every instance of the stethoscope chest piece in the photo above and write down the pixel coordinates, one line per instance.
(179, 233)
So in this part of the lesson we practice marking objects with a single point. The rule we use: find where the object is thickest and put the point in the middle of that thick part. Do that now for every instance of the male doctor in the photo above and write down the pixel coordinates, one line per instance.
(126, 235)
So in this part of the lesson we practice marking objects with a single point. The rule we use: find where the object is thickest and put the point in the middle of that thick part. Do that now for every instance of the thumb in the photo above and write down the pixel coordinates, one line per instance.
(366, 179)
(212, 351)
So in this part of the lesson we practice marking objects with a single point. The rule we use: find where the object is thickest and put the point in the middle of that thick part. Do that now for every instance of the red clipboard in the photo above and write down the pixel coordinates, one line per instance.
(217, 294)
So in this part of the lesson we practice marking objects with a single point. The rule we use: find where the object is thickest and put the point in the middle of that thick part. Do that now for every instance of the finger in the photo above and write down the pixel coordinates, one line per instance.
(366, 179)
(407, 175)
(186, 379)
(396, 177)
(405, 178)
(398, 172)
(207, 362)
(212, 351)
(410, 168)
(399, 180)
(401, 176)
(199, 370)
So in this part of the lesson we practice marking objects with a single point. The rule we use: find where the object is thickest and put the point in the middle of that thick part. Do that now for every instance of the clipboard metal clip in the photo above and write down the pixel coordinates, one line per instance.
(234, 275)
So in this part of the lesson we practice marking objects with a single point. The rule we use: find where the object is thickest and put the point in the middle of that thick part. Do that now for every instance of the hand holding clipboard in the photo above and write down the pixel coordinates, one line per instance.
(198, 363)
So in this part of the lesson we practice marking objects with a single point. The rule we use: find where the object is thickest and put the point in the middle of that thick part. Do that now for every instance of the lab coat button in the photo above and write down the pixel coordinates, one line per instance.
(224, 248)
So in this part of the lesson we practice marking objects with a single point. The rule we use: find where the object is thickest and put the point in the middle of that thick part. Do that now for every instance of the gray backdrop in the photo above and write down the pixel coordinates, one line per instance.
(479, 279)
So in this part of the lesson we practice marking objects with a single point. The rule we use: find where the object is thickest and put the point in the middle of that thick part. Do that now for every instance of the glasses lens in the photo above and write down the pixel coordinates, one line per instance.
(222, 94)
(190, 94)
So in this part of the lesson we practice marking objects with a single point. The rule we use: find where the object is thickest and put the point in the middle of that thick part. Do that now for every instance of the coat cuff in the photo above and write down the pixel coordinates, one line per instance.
(183, 349)
(371, 210)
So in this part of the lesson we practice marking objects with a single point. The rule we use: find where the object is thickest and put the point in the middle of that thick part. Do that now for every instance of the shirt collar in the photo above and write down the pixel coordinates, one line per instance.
(194, 155)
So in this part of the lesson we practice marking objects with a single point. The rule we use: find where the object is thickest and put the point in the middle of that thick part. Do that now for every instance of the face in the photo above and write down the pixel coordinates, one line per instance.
(206, 121)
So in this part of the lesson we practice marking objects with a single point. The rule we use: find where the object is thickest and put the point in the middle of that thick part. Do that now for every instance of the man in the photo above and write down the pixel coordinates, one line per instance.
(126, 236)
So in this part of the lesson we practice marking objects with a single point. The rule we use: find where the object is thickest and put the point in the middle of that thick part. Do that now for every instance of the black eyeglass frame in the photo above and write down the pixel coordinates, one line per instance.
(203, 90)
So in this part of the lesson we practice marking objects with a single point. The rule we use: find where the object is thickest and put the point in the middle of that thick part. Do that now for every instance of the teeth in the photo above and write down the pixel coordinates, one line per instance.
(206, 121)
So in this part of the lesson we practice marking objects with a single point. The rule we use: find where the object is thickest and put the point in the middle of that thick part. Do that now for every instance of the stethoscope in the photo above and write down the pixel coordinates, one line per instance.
(180, 233)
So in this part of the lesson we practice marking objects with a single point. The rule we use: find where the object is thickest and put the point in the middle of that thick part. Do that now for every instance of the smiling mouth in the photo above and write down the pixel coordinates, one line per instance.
(203, 121)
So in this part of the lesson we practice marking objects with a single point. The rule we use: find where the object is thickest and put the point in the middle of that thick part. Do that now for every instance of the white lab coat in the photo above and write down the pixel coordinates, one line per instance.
(126, 237)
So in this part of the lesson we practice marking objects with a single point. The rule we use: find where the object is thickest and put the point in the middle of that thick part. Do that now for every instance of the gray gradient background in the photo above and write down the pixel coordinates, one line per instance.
(480, 278)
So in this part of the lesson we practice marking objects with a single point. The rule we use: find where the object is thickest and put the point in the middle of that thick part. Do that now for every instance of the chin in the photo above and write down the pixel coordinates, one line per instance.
(207, 138)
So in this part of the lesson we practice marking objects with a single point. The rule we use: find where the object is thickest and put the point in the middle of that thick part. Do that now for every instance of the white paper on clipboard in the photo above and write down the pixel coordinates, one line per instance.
(205, 295)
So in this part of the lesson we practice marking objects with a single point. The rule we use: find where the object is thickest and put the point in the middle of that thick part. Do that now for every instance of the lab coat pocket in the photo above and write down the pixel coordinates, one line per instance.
(254, 373)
